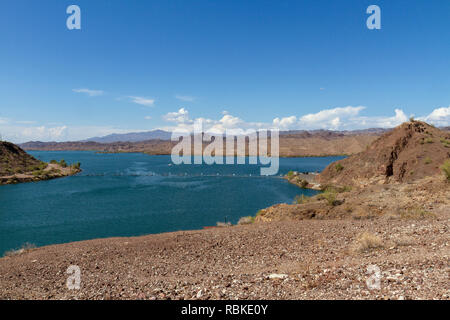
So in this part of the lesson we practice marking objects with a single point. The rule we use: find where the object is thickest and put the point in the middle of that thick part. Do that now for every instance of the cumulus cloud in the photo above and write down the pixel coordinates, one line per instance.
(181, 116)
(19, 133)
(142, 101)
(439, 117)
(284, 123)
(89, 92)
(329, 118)
(340, 118)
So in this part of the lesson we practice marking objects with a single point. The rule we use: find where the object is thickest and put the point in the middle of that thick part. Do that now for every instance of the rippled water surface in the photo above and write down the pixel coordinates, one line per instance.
(135, 194)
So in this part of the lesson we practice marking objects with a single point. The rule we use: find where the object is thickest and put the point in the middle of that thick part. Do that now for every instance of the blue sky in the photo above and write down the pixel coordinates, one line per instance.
(139, 65)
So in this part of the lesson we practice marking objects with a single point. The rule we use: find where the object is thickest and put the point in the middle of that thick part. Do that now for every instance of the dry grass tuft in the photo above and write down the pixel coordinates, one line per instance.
(246, 220)
(416, 214)
(365, 242)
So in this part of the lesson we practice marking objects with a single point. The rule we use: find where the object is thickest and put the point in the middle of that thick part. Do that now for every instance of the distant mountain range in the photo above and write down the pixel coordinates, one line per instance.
(165, 135)
(132, 137)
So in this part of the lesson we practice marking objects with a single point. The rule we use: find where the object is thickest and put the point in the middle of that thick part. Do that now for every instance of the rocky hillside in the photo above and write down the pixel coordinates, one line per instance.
(18, 166)
(14, 160)
(411, 151)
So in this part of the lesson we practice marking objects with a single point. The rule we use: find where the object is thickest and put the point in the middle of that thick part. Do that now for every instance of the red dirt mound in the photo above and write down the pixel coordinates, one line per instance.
(411, 151)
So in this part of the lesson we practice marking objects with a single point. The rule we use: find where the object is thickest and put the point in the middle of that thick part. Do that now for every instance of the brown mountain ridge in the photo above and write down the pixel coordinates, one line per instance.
(411, 151)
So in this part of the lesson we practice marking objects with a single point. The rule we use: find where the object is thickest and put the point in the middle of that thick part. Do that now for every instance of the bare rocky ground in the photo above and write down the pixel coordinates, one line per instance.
(309, 259)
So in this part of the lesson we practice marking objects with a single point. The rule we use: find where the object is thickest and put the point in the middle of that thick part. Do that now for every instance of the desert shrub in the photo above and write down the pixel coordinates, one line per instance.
(223, 224)
(329, 195)
(37, 173)
(339, 167)
(428, 160)
(246, 220)
(76, 165)
(25, 247)
(303, 183)
(428, 140)
(445, 142)
(416, 214)
(365, 242)
(301, 199)
(446, 169)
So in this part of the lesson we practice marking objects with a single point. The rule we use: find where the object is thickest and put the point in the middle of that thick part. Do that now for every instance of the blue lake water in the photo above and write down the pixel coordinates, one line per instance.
(132, 194)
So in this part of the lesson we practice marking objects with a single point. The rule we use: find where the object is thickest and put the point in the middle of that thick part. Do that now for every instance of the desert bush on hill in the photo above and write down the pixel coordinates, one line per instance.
(366, 241)
(446, 169)
(246, 220)
(301, 199)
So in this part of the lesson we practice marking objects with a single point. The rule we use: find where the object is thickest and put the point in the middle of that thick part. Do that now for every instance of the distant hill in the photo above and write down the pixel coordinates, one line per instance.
(132, 137)
(18, 166)
(411, 151)
(292, 144)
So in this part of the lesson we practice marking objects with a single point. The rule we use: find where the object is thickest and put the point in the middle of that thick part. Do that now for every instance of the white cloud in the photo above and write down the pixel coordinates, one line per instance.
(380, 122)
(147, 117)
(22, 133)
(181, 116)
(341, 118)
(43, 133)
(89, 92)
(185, 98)
(142, 101)
(284, 123)
(328, 118)
(439, 117)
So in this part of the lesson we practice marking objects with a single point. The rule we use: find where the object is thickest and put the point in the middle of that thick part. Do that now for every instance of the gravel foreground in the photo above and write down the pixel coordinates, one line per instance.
(310, 259)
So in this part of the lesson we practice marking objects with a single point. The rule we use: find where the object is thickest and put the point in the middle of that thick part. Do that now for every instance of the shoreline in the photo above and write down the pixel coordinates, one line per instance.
(53, 171)
(168, 154)
(312, 256)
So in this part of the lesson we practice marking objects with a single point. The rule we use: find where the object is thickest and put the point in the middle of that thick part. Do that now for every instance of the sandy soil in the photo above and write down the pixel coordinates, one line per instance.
(310, 259)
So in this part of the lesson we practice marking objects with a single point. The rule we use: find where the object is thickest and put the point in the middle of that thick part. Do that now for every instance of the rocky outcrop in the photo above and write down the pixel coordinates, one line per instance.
(412, 151)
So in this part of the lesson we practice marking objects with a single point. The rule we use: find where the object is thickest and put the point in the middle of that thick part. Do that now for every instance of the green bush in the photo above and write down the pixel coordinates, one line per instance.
(446, 169)
(76, 165)
(329, 195)
(63, 163)
(428, 160)
(339, 167)
(301, 199)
